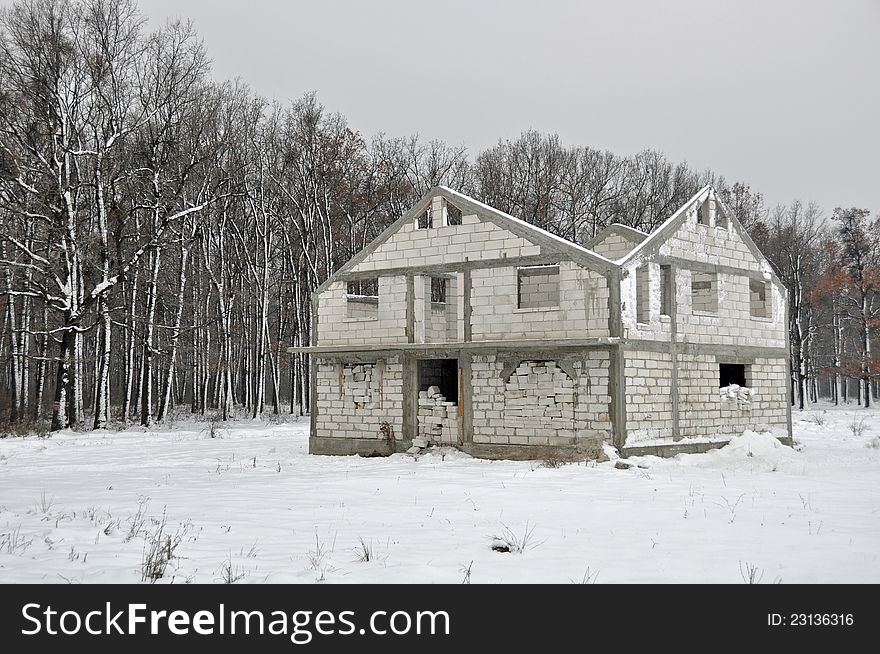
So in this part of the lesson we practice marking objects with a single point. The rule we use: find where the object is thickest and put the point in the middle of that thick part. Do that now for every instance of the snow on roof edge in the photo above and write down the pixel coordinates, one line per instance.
(659, 232)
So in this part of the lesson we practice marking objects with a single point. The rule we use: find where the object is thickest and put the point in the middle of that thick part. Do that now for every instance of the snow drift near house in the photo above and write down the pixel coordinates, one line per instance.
(252, 506)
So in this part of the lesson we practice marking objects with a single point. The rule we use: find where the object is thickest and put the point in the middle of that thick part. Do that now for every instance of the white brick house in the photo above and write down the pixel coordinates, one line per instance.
(462, 325)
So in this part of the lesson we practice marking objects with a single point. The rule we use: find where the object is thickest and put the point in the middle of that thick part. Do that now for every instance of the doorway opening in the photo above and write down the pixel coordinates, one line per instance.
(438, 409)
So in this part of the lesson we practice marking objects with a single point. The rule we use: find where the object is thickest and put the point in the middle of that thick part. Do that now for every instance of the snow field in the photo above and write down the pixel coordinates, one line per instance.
(252, 506)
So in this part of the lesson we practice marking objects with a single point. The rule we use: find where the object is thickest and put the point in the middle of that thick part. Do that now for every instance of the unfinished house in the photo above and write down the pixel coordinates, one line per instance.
(463, 326)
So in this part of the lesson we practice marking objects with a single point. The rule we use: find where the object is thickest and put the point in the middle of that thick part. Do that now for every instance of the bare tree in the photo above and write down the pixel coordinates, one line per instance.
(860, 260)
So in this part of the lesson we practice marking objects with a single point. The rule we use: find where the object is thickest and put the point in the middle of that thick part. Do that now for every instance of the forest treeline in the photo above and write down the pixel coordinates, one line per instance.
(161, 232)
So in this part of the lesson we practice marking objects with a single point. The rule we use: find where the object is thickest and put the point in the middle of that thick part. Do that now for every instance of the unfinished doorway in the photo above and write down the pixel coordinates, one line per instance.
(438, 401)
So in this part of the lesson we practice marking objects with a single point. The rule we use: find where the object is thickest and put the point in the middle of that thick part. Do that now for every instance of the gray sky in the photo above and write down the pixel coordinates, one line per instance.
(783, 94)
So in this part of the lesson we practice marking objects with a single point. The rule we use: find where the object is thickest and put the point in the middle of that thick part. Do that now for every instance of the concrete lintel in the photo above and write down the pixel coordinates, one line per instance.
(702, 266)
(720, 349)
(487, 347)
(446, 269)
(359, 357)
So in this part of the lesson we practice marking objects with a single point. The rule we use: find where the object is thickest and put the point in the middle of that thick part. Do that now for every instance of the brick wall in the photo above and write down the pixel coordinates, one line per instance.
(703, 412)
(473, 240)
(362, 308)
(438, 418)
(704, 292)
(614, 246)
(643, 293)
(648, 396)
(722, 313)
(538, 287)
(337, 326)
(437, 322)
(355, 399)
(760, 304)
(582, 311)
(733, 323)
(520, 411)
(709, 244)
(648, 323)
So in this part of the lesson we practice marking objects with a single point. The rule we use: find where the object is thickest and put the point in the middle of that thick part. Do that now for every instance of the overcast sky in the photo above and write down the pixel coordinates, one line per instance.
(782, 94)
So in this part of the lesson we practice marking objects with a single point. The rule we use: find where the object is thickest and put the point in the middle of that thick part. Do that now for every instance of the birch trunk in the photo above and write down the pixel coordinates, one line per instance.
(62, 382)
(40, 379)
(102, 383)
(148, 349)
(13, 337)
(175, 334)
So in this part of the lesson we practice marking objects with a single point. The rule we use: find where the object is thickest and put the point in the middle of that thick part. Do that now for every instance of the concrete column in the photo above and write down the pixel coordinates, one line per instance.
(710, 206)
(466, 305)
(410, 309)
(410, 398)
(421, 308)
(466, 424)
(459, 307)
(438, 212)
(673, 351)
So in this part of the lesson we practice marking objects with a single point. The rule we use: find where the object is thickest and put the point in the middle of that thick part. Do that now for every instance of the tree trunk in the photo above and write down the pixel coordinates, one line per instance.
(175, 334)
(15, 381)
(866, 358)
(147, 356)
(102, 383)
(40, 380)
(60, 413)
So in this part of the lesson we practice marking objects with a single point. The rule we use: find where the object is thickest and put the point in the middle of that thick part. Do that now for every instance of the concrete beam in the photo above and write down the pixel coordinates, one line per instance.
(444, 269)
(431, 350)
(701, 266)
(467, 285)
(732, 352)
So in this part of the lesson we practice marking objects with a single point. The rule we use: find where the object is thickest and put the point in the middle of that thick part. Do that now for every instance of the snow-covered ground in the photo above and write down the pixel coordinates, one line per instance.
(251, 505)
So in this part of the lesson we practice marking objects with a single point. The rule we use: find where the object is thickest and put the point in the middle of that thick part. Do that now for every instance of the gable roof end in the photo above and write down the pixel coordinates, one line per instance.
(659, 235)
(467, 204)
(662, 233)
(527, 230)
(629, 233)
